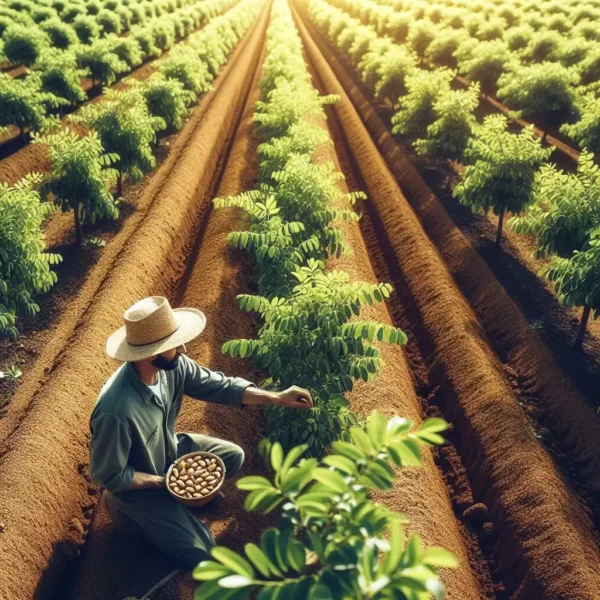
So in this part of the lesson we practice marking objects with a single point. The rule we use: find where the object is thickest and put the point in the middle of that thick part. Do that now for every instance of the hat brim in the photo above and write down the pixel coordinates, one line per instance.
(191, 324)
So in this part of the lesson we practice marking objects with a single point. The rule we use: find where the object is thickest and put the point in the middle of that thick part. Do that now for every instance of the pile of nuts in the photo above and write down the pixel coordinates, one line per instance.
(196, 477)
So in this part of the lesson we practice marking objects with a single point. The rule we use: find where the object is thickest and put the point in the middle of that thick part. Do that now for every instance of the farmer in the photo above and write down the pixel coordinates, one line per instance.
(133, 439)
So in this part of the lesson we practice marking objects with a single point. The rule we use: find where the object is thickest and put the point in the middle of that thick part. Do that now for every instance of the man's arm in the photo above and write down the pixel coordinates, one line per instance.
(293, 397)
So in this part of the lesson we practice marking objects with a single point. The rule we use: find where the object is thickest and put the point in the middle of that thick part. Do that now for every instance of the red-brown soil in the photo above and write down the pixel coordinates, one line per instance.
(215, 275)
(546, 543)
(557, 405)
(418, 493)
(42, 506)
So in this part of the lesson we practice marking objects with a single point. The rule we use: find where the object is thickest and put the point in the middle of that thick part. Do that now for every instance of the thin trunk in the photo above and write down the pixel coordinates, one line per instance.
(119, 184)
(500, 224)
(582, 327)
(22, 130)
(544, 136)
(77, 226)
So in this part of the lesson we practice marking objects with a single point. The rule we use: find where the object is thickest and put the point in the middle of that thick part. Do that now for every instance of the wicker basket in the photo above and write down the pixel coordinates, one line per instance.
(195, 502)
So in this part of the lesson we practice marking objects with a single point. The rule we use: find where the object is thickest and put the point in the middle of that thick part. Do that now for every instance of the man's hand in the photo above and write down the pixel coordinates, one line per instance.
(147, 481)
(295, 397)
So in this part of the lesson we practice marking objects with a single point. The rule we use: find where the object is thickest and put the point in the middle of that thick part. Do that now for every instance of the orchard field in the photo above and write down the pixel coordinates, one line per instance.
(392, 203)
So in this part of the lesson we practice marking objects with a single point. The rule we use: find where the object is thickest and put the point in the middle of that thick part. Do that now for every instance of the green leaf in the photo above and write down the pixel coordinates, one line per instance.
(254, 482)
(439, 557)
(331, 479)
(235, 581)
(276, 456)
(260, 560)
(348, 450)
(209, 569)
(341, 463)
(238, 564)
(320, 592)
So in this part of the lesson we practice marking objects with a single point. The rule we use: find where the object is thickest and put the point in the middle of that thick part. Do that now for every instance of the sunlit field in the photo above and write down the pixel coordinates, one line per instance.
(388, 214)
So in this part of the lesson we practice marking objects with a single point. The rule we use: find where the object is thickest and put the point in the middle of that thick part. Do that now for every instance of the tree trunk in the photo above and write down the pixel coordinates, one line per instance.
(77, 243)
(544, 136)
(582, 327)
(500, 224)
(119, 184)
(22, 130)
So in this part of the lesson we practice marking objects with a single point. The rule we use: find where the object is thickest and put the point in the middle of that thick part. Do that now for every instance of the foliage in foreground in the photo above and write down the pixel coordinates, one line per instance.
(332, 539)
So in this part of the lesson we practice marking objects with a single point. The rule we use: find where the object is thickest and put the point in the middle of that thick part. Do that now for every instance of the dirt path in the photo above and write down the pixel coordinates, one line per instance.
(214, 277)
(558, 406)
(418, 493)
(37, 501)
(546, 544)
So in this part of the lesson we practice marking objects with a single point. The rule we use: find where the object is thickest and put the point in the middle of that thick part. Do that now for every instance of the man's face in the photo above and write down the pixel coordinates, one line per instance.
(168, 360)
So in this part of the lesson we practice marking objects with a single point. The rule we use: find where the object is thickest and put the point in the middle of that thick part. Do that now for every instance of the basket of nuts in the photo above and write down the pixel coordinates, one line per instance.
(195, 478)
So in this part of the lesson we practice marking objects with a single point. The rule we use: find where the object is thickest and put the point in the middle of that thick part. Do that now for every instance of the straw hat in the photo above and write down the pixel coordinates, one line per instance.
(152, 327)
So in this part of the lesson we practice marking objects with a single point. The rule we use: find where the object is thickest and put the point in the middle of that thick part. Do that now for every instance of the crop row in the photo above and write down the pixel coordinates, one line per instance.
(505, 172)
(554, 85)
(120, 142)
(36, 101)
(307, 338)
(27, 28)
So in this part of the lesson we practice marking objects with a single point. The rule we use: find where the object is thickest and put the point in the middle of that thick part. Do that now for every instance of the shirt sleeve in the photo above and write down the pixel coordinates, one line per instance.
(203, 384)
(109, 453)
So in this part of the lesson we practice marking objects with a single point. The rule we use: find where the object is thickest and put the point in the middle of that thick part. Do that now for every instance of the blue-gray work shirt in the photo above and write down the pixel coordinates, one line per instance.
(131, 430)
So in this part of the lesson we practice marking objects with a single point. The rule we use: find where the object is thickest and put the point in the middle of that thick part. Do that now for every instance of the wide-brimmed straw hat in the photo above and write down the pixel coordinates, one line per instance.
(152, 327)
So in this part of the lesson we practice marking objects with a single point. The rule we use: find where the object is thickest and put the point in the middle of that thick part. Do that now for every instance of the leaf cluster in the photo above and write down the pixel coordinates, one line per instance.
(333, 540)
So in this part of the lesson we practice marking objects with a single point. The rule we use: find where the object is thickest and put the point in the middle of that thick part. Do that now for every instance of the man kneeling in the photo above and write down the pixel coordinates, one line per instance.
(133, 440)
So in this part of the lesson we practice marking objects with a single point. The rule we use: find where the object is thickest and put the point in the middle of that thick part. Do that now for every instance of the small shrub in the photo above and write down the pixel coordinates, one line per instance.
(23, 45)
(501, 168)
(87, 29)
(62, 36)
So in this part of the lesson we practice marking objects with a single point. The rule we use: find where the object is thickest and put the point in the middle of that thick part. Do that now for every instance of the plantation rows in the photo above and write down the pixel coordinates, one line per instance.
(504, 172)
(36, 101)
(307, 339)
(84, 168)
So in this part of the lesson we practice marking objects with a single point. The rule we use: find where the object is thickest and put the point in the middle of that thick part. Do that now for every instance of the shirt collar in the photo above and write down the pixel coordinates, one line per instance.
(143, 390)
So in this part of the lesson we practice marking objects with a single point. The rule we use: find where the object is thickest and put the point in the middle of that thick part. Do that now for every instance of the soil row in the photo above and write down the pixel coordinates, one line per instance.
(546, 541)
(559, 410)
(45, 493)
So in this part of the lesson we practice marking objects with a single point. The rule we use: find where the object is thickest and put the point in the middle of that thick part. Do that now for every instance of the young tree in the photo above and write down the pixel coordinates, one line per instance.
(86, 28)
(24, 103)
(586, 131)
(448, 136)
(109, 22)
(23, 45)
(545, 91)
(167, 99)
(574, 51)
(589, 67)
(145, 38)
(62, 36)
(125, 128)
(392, 70)
(127, 49)
(61, 75)
(518, 38)
(79, 177)
(566, 209)
(576, 282)
(544, 45)
(24, 265)
(184, 65)
(103, 65)
(440, 52)
(501, 168)
(415, 110)
(485, 63)
(421, 34)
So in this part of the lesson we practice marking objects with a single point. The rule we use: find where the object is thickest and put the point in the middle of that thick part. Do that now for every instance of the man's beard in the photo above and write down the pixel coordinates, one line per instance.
(160, 362)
